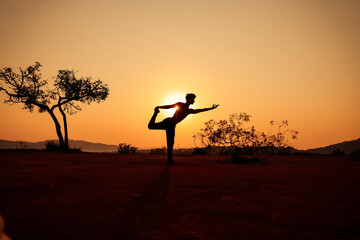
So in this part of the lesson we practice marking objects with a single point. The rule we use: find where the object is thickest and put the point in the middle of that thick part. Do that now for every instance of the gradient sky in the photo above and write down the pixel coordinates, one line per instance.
(275, 60)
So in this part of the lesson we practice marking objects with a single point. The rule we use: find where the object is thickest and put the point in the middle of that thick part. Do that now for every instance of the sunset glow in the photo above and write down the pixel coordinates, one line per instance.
(172, 99)
(275, 60)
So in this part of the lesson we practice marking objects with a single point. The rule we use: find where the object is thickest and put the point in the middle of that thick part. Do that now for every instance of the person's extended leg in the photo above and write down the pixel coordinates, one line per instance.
(170, 138)
(152, 124)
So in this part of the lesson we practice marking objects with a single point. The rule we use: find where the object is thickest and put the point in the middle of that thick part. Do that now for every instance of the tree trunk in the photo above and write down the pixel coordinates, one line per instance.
(58, 130)
(66, 139)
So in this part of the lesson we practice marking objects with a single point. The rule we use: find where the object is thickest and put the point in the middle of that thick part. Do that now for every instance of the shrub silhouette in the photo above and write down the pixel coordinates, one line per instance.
(233, 137)
(23, 145)
(337, 152)
(125, 148)
(52, 146)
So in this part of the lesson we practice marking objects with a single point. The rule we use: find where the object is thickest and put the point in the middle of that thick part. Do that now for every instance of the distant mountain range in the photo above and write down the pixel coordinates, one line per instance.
(83, 145)
(347, 146)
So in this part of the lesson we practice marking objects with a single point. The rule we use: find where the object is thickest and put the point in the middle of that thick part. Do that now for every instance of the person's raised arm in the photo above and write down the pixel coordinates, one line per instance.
(194, 111)
(167, 106)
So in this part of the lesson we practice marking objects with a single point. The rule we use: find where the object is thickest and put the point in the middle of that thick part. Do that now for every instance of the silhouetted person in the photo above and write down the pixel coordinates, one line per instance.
(169, 124)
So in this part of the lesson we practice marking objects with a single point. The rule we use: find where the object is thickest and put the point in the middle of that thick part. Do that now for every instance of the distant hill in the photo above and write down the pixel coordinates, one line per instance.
(83, 145)
(347, 146)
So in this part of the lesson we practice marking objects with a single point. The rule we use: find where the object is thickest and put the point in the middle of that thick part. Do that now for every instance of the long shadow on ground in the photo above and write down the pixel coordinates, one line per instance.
(145, 213)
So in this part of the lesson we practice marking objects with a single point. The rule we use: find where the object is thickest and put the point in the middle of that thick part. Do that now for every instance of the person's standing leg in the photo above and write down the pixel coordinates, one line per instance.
(167, 125)
(170, 138)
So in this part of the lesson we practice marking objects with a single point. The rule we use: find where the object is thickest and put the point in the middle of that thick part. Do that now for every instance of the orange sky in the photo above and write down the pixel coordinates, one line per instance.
(275, 60)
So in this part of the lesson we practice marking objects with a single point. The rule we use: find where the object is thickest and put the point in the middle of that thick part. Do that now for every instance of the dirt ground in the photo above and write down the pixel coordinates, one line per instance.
(107, 196)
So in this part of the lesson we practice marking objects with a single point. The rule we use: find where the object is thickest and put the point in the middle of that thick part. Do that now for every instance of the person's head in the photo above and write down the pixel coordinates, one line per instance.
(190, 98)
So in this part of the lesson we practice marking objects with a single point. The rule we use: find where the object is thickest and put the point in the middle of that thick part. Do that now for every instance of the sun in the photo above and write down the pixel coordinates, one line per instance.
(172, 99)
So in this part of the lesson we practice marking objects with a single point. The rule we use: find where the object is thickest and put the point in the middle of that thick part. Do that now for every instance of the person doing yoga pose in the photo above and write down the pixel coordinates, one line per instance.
(169, 124)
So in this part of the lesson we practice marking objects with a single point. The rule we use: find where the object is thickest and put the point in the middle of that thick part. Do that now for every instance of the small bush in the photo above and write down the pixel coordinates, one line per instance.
(338, 152)
(52, 146)
(125, 148)
(23, 145)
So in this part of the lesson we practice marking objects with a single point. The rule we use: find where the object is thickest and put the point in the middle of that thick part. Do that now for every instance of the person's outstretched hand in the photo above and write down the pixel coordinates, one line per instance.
(156, 110)
(215, 106)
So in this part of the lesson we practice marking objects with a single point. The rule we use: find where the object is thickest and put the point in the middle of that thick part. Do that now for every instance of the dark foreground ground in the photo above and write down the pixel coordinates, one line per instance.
(106, 196)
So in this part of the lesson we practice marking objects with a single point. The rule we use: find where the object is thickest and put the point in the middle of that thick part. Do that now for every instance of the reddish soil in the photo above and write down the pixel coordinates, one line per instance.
(107, 196)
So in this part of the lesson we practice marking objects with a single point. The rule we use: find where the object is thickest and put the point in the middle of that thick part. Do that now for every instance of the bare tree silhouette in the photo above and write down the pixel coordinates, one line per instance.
(27, 87)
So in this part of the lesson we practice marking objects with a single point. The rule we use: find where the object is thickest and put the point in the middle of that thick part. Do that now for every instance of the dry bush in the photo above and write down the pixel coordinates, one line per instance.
(125, 148)
(337, 152)
(233, 136)
(52, 146)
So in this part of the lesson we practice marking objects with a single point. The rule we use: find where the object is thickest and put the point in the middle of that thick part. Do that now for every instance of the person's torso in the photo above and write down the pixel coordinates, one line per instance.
(181, 112)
